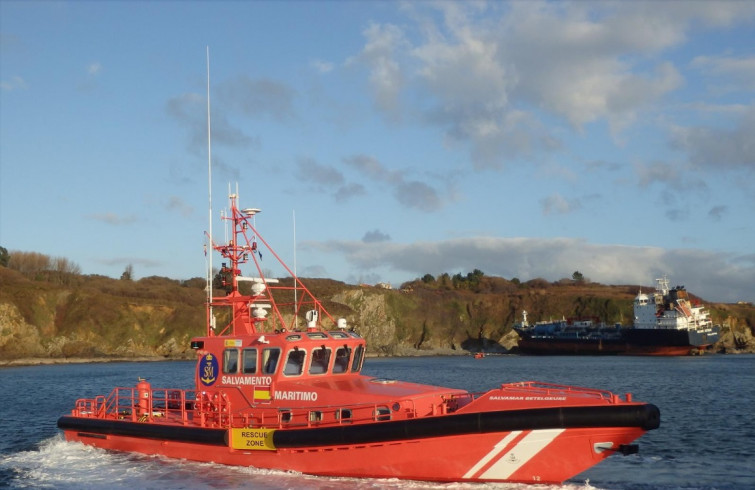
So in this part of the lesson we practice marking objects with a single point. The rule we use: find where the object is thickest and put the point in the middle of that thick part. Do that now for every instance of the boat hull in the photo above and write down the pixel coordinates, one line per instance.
(469, 449)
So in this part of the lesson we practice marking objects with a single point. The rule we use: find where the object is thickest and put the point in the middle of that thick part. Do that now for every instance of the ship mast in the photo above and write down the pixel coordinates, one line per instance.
(210, 315)
(296, 304)
(247, 312)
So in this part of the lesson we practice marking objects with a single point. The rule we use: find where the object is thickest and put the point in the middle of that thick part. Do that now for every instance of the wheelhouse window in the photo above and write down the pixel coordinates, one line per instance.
(320, 361)
(341, 364)
(356, 366)
(294, 363)
(249, 361)
(270, 357)
(230, 361)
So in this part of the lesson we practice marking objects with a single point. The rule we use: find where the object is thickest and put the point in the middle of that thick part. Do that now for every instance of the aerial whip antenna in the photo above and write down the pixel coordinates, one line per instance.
(296, 301)
(210, 316)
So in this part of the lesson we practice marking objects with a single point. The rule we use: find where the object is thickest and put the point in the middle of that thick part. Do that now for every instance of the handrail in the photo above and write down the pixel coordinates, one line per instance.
(215, 409)
(551, 388)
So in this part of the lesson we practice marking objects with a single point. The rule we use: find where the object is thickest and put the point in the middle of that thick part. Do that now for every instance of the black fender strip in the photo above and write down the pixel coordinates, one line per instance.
(177, 433)
(646, 416)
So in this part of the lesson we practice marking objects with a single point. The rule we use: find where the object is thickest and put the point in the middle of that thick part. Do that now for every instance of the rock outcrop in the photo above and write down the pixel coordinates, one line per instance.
(97, 317)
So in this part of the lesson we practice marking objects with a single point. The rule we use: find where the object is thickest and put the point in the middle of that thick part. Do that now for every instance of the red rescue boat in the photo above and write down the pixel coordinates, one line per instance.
(279, 386)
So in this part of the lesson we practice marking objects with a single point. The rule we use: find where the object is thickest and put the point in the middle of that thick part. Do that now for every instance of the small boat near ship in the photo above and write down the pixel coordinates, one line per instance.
(278, 385)
(666, 323)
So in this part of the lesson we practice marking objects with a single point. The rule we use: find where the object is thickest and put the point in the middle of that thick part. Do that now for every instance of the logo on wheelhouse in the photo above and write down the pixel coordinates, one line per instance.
(208, 370)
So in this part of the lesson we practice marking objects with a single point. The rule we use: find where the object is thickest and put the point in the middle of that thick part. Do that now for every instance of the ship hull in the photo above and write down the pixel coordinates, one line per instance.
(555, 346)
(647, 342)
(670, 341)
(518, 446)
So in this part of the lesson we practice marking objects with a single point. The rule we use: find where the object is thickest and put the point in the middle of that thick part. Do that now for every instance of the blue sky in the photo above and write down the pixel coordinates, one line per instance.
(525, 139)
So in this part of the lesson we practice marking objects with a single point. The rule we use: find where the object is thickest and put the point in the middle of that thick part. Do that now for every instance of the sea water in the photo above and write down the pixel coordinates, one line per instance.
(706, 439)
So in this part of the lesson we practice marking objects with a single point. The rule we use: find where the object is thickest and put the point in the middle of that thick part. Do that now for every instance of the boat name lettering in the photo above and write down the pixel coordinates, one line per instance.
(527, 398)
(247, 380)
(296, 395)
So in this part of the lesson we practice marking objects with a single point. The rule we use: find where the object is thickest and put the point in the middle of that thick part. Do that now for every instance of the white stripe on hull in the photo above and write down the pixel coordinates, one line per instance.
(514, 458)
(492, 454)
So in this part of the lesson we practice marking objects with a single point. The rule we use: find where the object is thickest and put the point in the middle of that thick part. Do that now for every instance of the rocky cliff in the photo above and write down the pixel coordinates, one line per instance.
(99, 317)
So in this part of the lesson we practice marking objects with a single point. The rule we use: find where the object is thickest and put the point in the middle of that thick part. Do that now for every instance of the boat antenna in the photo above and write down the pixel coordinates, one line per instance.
(210, 316)
(296, 302)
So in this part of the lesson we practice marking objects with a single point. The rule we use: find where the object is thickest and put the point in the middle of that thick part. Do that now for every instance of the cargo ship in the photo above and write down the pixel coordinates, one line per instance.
(666, 323)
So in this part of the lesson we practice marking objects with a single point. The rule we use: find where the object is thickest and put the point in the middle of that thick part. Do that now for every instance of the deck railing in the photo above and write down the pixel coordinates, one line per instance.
(215, 409)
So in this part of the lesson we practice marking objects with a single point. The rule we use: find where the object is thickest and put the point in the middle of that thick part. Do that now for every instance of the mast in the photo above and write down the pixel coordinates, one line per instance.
(296, 302)
(246, 312)
(210, 316)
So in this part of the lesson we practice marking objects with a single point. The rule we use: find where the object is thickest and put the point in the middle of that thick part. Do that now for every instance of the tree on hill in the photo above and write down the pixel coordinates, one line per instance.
(128, 274)
(35, 265)
(428, 278)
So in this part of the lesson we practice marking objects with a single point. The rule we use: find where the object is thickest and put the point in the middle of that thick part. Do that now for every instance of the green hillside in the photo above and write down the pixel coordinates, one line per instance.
(63, 314)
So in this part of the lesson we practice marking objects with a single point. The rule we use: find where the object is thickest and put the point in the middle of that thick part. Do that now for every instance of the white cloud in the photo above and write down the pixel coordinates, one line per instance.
(376, 236)
(410, 193)
(322, 66)
(317, 174)
(711, 275)
(191, 111)
(373, 169)
(14, 83)
(719, 147)
(133, 261)
(379, 54)
(418, 195)
(489, 74)
(656, 172)
(727, 73)
(176, 203)
(557, 204)
(583, 63)
(258, 97)
(113, 219)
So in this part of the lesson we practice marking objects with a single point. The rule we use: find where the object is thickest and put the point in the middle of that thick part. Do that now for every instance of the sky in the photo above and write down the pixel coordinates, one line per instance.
(386, 140)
